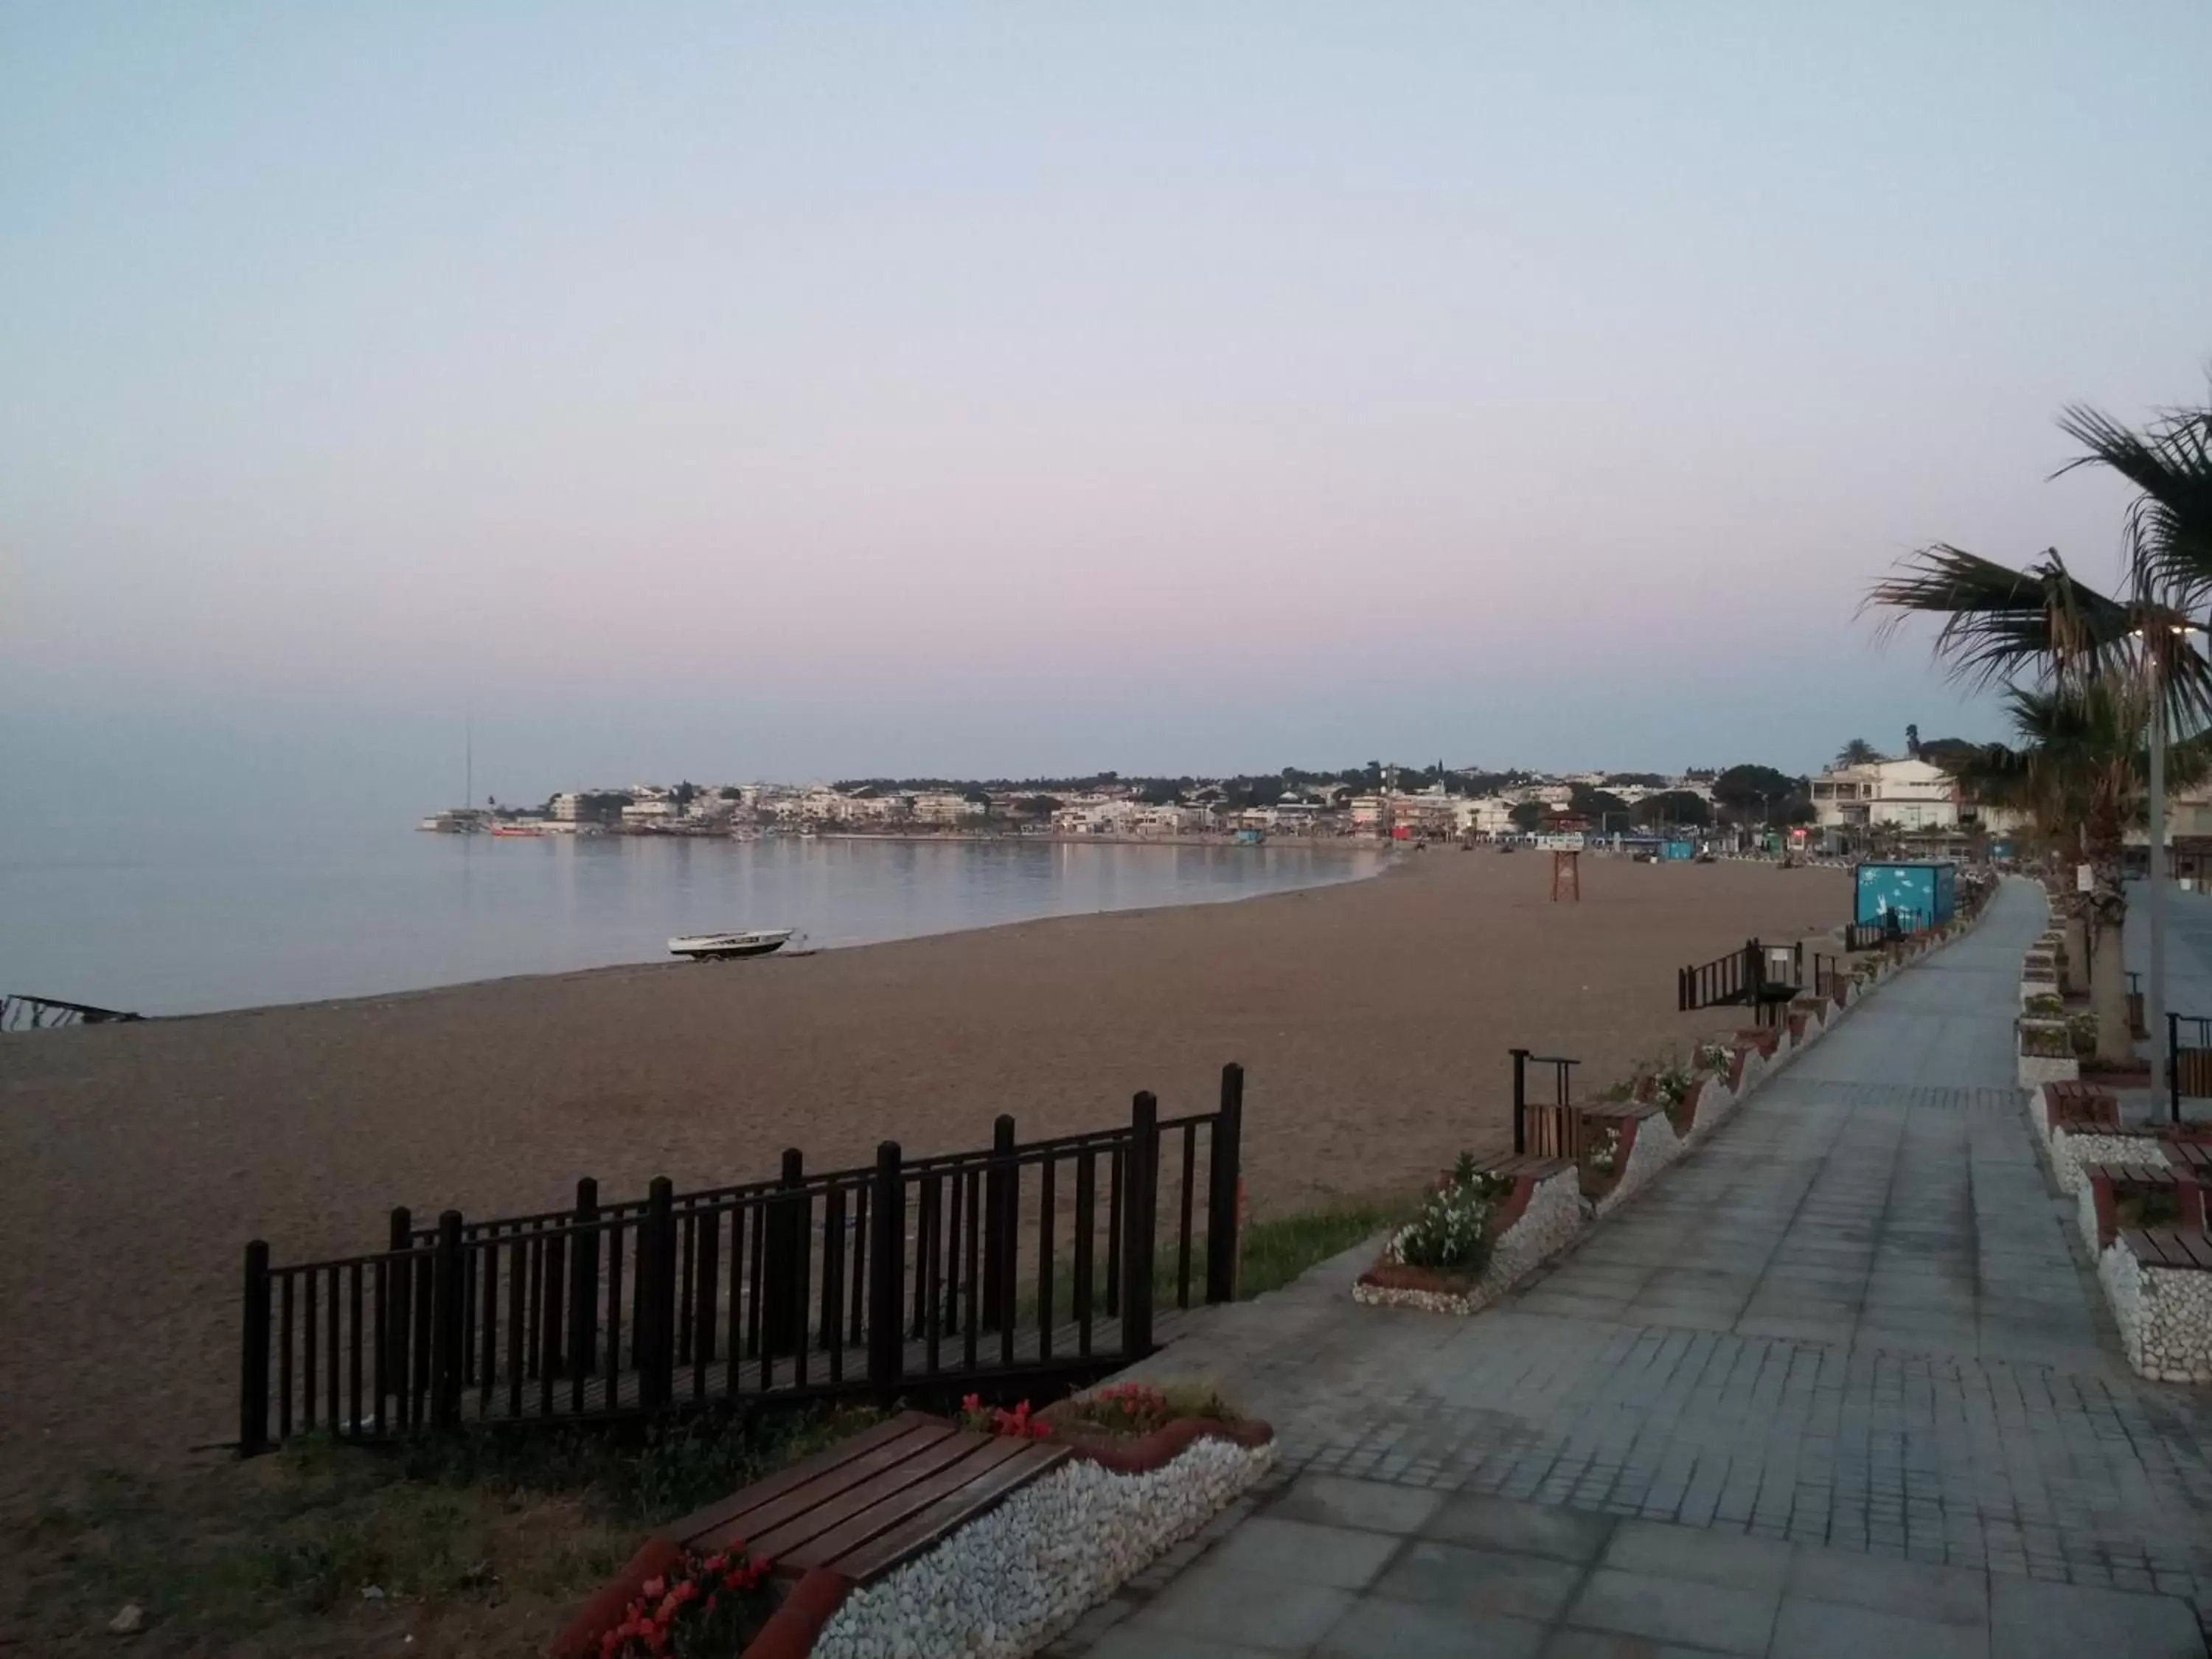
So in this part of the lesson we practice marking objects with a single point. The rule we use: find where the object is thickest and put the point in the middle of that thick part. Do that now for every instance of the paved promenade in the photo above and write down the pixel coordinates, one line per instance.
(1841, 1382)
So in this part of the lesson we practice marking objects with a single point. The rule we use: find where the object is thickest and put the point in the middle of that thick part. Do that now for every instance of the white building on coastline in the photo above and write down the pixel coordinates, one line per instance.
(1903, 794)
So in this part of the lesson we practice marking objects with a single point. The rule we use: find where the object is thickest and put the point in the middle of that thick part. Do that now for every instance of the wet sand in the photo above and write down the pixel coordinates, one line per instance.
(1373, 1019)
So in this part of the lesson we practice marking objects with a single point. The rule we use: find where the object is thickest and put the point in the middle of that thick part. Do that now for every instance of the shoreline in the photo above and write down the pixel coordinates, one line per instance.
(846, 905)
(1373, 1019)
(1388, 860)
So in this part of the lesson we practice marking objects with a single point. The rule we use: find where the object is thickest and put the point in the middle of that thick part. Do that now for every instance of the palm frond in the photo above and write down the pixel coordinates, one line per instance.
(2169, 523)
(1999, 621)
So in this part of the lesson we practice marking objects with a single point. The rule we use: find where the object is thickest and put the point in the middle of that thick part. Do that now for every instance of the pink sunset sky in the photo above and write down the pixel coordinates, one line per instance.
(723, 392)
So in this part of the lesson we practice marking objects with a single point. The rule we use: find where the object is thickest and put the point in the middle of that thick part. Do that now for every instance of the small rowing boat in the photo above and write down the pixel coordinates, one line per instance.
(722, 947)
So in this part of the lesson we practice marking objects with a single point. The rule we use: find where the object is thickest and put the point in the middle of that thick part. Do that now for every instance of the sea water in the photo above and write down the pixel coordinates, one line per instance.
(168, 923)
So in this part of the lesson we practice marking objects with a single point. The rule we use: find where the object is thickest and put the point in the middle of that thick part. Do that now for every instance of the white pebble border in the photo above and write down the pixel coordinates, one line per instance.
(1552, 1219)
(1656, 1147)
(1011, 1580)
(1716, 1101)
(2070, 1152)
(2165, 1316)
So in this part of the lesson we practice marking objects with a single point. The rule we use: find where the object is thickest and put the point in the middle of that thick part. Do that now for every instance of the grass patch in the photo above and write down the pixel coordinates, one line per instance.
(477, 1543)
(1278, 1248)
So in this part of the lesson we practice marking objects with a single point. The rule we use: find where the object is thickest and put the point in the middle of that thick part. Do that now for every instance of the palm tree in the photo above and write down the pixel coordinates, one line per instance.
(2038, 632)
(2082, 768)
(1859, 752)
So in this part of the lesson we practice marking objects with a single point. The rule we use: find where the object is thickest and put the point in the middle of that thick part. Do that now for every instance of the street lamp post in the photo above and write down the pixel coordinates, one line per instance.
(2155, 981)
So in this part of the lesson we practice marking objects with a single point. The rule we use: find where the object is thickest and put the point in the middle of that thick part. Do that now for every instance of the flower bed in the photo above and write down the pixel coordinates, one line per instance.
(2046, 1053)
(1543, 1213)
(1008, 1582)
(1643, 1146)
(1133, 1469)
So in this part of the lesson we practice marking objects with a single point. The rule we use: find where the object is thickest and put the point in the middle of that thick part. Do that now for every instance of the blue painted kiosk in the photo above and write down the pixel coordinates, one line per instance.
(1918, 894)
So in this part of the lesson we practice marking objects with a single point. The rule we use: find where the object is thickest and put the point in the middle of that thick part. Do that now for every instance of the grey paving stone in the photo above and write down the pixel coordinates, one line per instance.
(1676, 1610)
(1825, 1630)
(1481, 1581)
(1544, 1529)
(1221, 1605)
(1343, 1558)
(2033, 1620)
(1371, 1506)
(1381, 1629)
(1699, 1557)
(1140, 1638)
(1894, 1158)
(1607, 1644)
(1945, 1594)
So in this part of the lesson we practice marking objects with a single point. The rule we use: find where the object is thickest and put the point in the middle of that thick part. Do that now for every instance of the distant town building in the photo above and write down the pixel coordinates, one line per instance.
(1901, 794)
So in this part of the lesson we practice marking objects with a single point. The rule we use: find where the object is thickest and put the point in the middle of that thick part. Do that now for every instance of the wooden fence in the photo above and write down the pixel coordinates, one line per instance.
(1754, 976)
(1054, 1258)
(23, 1013)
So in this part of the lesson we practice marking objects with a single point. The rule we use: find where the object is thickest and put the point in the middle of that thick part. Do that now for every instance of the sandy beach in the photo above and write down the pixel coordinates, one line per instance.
(1373, 1019)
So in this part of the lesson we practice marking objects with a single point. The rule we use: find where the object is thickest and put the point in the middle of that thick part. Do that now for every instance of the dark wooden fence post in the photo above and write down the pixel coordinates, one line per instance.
(1223, 1176)
(1137, 1222)
(656, 1302)
(782, 1318)
(2173, 1066)
(449, 1338)
(584, 1284)
(391, 1318)
(996, 1221)
(1520, 1101)
(253, 1371)
(887, 1275)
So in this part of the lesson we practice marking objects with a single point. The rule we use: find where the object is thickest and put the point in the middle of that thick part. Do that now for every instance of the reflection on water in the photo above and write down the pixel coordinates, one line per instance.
(192, 930)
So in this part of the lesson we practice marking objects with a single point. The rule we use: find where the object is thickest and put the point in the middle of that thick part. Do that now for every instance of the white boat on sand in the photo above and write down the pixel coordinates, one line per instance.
(720, 947)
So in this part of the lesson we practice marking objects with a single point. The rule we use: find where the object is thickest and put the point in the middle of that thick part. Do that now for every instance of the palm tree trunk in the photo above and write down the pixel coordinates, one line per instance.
(2107, 911)
(2077, 946)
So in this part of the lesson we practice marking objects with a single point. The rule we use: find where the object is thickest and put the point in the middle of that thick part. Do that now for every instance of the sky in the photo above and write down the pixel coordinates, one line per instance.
(731, 390)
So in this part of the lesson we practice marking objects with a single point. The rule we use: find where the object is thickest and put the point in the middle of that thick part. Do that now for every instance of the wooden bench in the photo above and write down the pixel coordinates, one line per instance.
(866, 1504)
(2080, 1105)
(2169, 1247)
(2113, 1184)
(2187, 1155)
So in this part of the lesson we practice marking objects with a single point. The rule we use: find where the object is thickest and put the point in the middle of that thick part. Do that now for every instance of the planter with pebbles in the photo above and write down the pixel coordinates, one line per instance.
(1479, 1232)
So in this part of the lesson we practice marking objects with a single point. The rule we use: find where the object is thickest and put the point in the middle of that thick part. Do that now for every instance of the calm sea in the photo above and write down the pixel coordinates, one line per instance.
(182, 925)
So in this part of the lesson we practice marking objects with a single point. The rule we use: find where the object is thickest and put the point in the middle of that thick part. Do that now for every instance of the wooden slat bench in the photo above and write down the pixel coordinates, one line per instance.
(2169, 1247)
(1555, 1134)
(2188, 1155)
(2111, 1185)
(2079, 1103)
(864, 1505)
